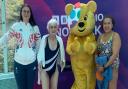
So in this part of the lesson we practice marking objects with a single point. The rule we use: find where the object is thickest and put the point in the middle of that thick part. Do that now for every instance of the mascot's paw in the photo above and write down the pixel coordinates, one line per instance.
(75, 46)
(89, 46)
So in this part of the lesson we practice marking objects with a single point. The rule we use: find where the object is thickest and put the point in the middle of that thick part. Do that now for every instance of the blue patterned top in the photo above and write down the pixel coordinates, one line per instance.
(105, 48)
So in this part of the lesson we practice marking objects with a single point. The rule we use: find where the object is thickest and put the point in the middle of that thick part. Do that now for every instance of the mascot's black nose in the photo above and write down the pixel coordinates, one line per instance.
(81, 24)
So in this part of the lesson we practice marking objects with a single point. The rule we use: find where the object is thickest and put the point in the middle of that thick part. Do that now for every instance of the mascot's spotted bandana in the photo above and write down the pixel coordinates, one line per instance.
(81, 43)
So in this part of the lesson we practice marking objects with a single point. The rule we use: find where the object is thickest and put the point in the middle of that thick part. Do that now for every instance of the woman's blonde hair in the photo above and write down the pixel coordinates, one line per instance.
(51, 21)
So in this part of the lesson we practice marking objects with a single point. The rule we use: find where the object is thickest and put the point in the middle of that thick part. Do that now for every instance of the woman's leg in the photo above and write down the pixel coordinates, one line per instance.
(31, 74)
(44, 79)
(113, 82)
(20, 76)
(54, 80)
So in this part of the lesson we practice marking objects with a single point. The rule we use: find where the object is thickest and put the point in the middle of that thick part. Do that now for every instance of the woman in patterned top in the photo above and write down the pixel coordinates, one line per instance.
(27, 37)
(109, 44)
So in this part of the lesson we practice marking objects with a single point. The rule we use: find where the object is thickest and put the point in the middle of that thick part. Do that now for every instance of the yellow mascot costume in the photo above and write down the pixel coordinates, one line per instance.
(81, 43)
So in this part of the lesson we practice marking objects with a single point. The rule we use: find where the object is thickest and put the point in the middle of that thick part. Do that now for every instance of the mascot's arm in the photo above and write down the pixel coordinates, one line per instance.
(68, 47)
(90, 44)
(73, 45)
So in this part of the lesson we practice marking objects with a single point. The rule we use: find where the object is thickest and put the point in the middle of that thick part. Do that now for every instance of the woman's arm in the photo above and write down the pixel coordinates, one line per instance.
(4, 39)
(39, 74)
(62, 53)
(115, 49)
(10, 34)
(37, 37)
(41, 52)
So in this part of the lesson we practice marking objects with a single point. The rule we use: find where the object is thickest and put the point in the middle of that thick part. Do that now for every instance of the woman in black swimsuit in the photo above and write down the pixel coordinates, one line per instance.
(52, 50)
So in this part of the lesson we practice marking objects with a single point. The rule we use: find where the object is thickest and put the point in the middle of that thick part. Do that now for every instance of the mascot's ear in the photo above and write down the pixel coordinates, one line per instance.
(83, 10)
(68, 9)
(92, 6)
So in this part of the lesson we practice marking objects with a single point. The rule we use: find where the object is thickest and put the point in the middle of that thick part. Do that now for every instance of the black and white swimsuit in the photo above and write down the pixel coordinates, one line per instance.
(51, 59)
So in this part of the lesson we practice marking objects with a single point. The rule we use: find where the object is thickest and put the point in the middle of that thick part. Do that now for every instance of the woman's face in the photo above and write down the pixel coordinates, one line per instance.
(53, 29)
(26, 13)
(107, 25)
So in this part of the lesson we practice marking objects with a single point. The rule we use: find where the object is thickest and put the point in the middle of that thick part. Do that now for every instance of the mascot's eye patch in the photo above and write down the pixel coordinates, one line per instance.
(78, 14)
(85, 18)
(72, 14)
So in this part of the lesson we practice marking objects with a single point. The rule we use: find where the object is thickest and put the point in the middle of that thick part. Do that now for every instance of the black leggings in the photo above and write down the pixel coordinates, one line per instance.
(25, 75)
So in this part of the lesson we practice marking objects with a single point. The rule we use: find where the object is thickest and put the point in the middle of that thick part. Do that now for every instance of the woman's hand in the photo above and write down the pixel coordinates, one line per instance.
(62, 65)
(39, 78)
(39, 67)
(39, 73)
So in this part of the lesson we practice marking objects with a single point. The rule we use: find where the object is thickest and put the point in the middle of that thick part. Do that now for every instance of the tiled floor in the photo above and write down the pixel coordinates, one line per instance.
(8, 84)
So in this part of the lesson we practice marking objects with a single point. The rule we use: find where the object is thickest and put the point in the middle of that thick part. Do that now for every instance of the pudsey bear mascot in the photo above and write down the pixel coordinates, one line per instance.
(81, 43)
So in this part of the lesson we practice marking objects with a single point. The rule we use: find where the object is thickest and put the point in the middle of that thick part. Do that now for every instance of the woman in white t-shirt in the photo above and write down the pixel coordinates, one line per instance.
(27, 37)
